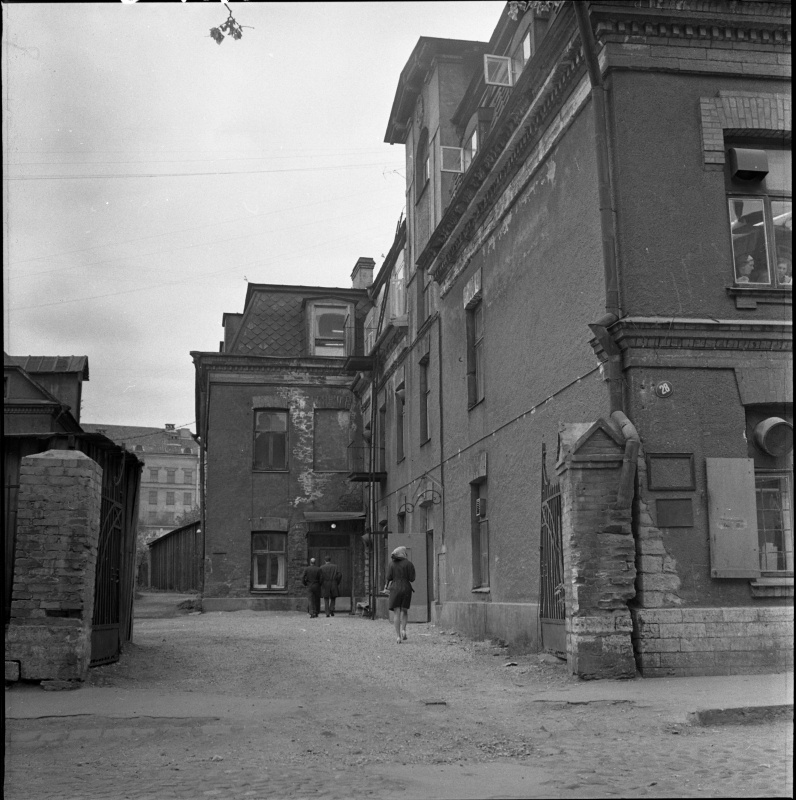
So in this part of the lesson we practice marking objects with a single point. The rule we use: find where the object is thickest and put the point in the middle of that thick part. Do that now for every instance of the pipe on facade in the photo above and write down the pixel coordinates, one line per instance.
(607, 212)
(624, 495)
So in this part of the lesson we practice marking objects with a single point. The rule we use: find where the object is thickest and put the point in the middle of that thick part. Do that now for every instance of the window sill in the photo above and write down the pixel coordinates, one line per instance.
(267, 591)
(482, 590)
(471, 406)
(422, 192)
(425, 441)
(772, 587)
(254, 469)
(749, 297)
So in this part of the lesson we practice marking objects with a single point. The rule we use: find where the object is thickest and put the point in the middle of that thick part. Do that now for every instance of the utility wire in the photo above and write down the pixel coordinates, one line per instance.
(188, 174)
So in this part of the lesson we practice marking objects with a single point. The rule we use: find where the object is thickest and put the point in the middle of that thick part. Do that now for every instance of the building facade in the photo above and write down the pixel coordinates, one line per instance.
(276, 422)
(170, 479)
(587, 424)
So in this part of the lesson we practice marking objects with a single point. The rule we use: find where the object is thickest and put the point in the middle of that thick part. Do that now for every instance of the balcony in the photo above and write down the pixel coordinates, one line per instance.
(367, 464)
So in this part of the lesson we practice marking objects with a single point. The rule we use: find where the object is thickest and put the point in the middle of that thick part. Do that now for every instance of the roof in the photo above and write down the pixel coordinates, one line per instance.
(34, 364)
(155, 439)
(413, 74)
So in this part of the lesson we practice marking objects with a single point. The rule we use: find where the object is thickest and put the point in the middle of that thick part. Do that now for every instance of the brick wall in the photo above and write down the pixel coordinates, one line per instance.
(58, 523)
(599, 553)
(713, 641)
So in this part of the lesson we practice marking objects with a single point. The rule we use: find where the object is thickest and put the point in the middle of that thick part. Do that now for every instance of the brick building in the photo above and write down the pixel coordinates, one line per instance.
(275, 420)
(587, 423)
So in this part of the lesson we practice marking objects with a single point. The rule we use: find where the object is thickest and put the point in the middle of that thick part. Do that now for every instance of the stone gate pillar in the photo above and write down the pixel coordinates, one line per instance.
(52, 604)
(599, 552)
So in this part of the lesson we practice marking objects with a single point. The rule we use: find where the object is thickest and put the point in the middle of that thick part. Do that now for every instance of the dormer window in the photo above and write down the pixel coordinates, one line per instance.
(330, 326)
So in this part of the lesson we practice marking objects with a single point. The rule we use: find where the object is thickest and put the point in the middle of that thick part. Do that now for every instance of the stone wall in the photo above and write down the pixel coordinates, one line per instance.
(713, 641)
(58, 525)
(599, 553)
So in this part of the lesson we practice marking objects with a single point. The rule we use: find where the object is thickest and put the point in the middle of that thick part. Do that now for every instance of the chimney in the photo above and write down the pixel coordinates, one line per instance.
(362, 276)
(169, 426)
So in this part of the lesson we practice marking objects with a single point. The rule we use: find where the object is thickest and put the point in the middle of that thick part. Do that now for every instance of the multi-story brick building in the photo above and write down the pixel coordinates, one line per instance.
(170, 479)
(587, 421)
(275, 419)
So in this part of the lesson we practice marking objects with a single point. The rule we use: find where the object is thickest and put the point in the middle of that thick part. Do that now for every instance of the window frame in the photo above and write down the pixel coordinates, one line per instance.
(154, 475)
(317, 309)
(171, 475)
(153, 497)
(422, 164)
(475, 352)
(271, 468)
(425, 396)
(738, 191)
(187, 499)
(268, 551)
(786, 510)
(400, 423)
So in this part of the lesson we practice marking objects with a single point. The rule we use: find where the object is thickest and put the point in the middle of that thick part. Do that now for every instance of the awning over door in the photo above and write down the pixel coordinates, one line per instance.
(332, 516)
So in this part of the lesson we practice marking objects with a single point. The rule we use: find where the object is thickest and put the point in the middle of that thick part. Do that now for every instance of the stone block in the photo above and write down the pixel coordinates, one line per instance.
(12, 671)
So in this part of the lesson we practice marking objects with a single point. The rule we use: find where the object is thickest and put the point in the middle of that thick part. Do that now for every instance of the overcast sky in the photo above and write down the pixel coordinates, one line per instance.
(149, 172)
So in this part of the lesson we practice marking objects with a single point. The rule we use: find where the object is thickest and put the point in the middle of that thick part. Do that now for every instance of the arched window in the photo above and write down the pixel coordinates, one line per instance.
(422, 163)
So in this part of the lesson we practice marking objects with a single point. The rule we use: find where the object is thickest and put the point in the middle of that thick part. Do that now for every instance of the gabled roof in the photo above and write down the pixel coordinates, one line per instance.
(49, 364)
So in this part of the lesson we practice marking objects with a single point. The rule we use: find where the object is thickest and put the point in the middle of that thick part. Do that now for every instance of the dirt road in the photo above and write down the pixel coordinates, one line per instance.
(278, 705)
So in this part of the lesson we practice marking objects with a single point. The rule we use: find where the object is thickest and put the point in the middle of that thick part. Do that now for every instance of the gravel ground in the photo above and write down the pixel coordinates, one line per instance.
(277, 705)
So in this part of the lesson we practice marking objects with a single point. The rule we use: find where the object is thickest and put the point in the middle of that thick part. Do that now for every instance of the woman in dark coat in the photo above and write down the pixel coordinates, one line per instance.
(400, 575)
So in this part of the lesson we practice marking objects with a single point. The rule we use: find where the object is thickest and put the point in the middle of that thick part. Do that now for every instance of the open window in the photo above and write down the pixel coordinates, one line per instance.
(760, 206)
(330, 328)
(498, 71)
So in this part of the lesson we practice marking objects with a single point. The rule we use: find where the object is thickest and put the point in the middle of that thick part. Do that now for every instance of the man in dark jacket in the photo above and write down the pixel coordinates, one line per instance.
(330, 584)
(312, 580)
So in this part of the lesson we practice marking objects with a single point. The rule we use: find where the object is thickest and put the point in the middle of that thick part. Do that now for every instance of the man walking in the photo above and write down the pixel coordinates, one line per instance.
(312, 580)
(330, 584)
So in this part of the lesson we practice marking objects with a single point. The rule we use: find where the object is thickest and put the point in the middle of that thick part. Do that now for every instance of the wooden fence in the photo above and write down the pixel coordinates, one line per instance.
(176, 560)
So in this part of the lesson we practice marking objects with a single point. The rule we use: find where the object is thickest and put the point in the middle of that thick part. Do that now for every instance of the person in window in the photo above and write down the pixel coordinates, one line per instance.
(745, 270)
(312, 580)
(330, 584)
(400, 576)
(784, 272)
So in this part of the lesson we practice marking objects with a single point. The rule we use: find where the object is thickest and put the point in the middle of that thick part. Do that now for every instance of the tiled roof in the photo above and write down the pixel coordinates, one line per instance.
(154, 440)
(34, 364)
(273, 325)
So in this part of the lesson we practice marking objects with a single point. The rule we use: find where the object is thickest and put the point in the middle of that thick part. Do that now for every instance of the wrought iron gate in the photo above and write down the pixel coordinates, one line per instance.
(552, 609)
(106, 623)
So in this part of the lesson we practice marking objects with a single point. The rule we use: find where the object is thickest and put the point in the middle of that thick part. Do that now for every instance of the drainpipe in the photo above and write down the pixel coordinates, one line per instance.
(613, 311)
(607, 212)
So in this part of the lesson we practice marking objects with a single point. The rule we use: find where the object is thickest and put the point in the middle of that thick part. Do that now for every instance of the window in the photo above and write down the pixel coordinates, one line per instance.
(139, 448)
(423, 281)
(169, 498)
(152, 516)
(425, 392)
(480, 536)
(422, 164)
(187, 499)
(270, 440)
(331, 435)
(774, 521)
(153, 497)
(187, 476)
(269, 560)
(475, 353)
(522, 54)
(329, 330)
(470, 149)
(760, 213)
(400, 404)
(498, 71)
(153, 475)
(171, 476)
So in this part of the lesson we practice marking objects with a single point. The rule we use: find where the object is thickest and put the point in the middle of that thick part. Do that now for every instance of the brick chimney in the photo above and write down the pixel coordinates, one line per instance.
(362, 276)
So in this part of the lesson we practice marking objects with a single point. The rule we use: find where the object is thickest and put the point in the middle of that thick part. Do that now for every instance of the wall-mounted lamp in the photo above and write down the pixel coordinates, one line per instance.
(774, 436)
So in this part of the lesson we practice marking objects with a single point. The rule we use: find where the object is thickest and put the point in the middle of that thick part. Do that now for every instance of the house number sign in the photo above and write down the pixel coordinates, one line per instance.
(664, 389)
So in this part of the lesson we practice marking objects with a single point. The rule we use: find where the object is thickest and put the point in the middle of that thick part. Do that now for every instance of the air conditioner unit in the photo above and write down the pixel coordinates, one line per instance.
(480, 507)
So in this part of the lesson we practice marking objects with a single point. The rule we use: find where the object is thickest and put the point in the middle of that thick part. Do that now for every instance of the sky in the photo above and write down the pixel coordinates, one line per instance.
(150, 173)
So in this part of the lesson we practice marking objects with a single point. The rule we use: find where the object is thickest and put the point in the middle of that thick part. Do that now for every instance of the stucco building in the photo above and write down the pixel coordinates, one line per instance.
(170, 478)
(276, 421)
(586, 415)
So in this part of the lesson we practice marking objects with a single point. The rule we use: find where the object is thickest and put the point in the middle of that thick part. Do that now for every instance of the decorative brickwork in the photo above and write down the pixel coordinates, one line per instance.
(599, 553)
(741, 114)
(58, 524)
(713, 641)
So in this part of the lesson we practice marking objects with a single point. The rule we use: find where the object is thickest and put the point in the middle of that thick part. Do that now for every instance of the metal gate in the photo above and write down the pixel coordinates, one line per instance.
(552, 609)
(106, 623)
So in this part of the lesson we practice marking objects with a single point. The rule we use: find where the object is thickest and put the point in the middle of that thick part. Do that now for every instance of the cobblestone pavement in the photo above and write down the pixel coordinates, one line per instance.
(249, 705)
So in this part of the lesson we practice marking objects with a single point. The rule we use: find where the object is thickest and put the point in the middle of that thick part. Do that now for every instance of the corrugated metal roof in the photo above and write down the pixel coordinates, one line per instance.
(34, 364)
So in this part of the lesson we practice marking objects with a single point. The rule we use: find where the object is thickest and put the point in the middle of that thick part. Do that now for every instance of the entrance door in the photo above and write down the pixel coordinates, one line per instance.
(341, 556)
(417, 551)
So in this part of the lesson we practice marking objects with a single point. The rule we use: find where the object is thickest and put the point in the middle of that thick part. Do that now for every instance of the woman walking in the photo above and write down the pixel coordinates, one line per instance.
(400, 575)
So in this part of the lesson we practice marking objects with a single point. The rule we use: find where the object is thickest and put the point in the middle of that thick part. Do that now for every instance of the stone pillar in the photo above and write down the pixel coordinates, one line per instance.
(52, 604)
(599, 553)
